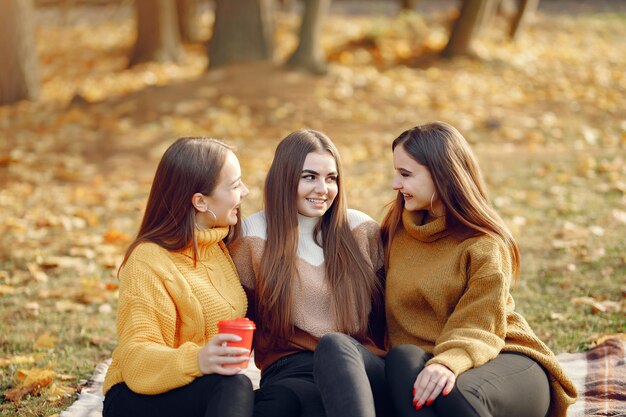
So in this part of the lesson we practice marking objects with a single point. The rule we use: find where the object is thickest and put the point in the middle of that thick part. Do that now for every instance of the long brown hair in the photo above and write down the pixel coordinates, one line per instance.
(190, 165)
(458, 183)
(351, 282)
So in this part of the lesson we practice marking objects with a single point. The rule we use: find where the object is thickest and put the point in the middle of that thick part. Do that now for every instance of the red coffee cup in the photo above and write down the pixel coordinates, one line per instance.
(243, 328)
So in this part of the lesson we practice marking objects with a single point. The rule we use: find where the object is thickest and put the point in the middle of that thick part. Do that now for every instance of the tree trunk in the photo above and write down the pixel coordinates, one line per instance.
(188, 20)
(158, 38)
(526, 9)
(19, 71)
(467, 27)
(309, 55)
(286, 5)
(243, 31)
(408, 4)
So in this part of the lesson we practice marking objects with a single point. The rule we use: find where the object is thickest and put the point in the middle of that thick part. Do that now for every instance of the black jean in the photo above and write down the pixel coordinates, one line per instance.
(510, 385)
(351, 379)
(288, 389)
(207, 396)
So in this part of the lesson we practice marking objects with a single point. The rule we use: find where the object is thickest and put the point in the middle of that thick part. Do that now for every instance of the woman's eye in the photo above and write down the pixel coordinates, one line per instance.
(331, 179)
(308, 177)
(404, 174)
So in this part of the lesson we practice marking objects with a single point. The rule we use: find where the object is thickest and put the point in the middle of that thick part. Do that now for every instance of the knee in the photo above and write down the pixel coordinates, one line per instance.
(403, 360)
(331, 340)
(400, 353)
(332, 343)
(238, 382)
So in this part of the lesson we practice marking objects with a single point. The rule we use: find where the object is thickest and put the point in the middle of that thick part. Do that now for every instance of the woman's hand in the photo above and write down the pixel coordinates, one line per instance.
(429, 383)
(215, 354)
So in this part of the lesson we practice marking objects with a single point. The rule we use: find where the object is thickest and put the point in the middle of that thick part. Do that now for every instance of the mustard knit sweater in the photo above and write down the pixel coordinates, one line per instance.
(451, 298)
(168, 309)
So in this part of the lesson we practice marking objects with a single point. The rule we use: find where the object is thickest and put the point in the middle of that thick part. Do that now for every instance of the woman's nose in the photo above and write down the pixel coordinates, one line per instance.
(396, 184)
(321, 187)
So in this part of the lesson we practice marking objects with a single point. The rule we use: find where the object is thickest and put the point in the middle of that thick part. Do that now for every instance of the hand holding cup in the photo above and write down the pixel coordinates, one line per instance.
(217, 357)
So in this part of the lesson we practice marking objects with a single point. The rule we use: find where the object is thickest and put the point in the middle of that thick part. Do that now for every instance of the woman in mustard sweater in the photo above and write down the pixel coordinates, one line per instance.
(176, 282)
(458, 346)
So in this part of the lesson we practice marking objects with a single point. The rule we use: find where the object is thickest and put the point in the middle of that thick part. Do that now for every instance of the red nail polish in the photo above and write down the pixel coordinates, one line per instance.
(414, 403)
(418, 406)
(414, 392)
(429, 402)
(445, 393)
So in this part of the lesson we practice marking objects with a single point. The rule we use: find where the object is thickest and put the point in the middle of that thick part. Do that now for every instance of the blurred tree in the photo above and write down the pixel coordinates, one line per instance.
(158, 37)
(19, 69)
(286, 5)
(243, 31)
(408, 4)
(309, 54)
(187, 11)
(525, 10)
(467, 26)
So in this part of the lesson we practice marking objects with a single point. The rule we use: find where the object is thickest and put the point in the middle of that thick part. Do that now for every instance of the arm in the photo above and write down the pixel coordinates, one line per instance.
(147, 317)
(476, 329)
(150, 358)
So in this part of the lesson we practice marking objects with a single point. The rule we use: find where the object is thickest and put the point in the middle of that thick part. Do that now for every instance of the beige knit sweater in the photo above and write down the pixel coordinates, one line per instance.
(312, 297)
(168, 309)
(452, 299)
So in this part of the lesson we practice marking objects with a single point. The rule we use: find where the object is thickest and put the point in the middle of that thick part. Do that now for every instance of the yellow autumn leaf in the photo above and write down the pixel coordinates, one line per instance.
(16, 360)
(35, 375)
(45, 341)
(56, 392)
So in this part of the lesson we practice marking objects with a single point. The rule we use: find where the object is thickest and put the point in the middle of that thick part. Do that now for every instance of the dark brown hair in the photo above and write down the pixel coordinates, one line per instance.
(351, 281)
(458, 183)
(190, 165)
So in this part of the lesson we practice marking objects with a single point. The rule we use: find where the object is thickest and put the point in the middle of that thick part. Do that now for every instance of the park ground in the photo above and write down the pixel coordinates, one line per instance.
(546, 117)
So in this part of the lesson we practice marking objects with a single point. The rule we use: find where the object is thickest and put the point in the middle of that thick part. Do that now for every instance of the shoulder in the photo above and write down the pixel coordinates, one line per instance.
(148, 264)
(255, 226)
(486, 254)
(147, 252)
(357, 218)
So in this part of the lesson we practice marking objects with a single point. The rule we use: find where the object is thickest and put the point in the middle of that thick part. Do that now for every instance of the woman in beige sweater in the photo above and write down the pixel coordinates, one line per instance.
(176, 282)
(309, 264)
(459, 347)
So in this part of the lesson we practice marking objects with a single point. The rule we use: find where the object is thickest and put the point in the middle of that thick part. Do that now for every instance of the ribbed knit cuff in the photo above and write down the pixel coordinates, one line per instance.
(457, 360)
(190, 361)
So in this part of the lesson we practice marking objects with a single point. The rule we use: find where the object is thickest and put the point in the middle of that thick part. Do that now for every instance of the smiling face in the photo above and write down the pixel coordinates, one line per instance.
(318, 186)
(225, 199)
(415, 183)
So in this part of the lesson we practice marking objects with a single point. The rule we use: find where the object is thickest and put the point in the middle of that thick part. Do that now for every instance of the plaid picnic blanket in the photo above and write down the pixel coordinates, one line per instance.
(600, 378)
(599, 375)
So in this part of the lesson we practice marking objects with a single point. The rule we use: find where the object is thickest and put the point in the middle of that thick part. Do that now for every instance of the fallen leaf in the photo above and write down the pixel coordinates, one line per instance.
(116, 237)
(45, 341)
(58, 392)
(16, 360)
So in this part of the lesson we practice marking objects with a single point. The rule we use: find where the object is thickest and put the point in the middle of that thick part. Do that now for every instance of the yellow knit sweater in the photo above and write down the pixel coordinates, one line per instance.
(168, 309)
(451, 298)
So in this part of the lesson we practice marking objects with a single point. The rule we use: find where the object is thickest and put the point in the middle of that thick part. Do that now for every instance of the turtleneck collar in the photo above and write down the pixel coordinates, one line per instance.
(307, 224)
(206, 239)
(429, 232)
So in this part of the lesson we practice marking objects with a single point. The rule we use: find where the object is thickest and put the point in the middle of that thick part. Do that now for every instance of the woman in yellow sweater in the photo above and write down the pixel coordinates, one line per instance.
(458, 346)
(176, 282)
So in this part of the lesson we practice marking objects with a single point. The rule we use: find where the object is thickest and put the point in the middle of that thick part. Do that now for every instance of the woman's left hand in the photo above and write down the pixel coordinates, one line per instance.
(429, 383)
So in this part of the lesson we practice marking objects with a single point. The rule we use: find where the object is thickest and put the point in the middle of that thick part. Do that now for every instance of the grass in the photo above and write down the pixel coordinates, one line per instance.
(547, 124)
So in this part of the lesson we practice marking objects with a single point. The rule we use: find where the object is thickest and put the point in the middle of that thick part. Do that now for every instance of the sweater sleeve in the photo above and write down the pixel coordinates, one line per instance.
(148, 358)
(475, 331)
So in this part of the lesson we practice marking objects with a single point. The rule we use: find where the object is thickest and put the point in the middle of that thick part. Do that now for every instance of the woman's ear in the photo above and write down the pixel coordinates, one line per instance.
(199, 202)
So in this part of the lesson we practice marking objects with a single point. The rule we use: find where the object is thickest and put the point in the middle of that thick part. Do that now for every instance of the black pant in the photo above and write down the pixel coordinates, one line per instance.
(287, 389)
(510, 385)
(350, 378)
(207, 396)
